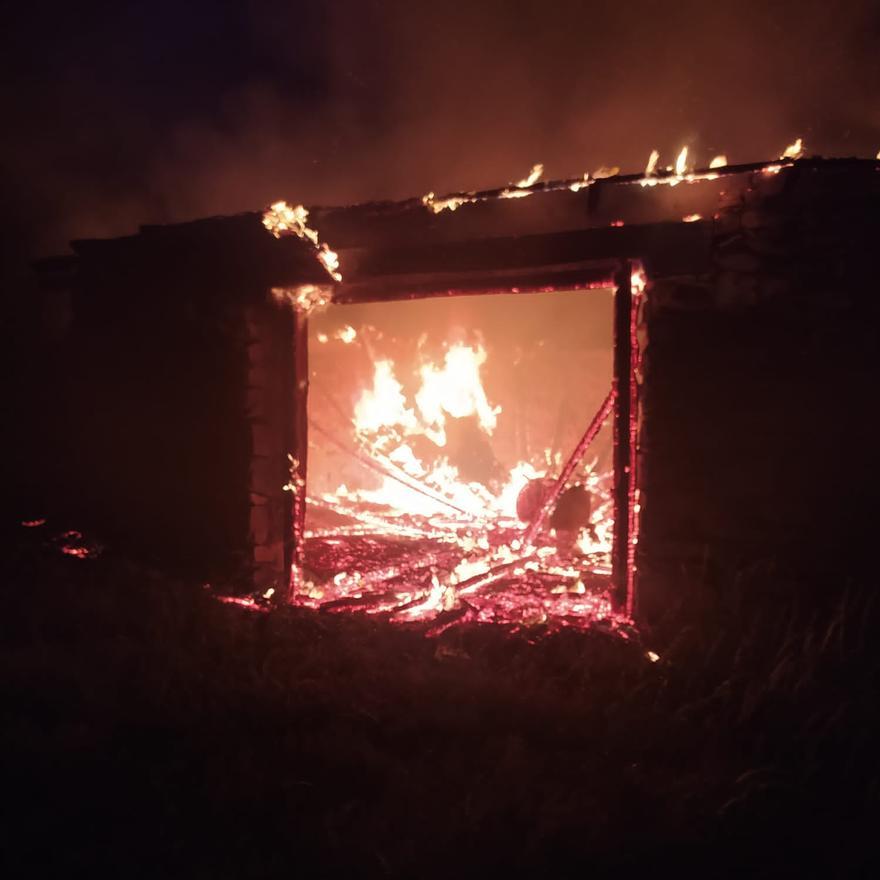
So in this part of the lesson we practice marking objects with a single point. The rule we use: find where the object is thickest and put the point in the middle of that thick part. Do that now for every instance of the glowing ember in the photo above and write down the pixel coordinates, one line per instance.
(304, 297)
(72, 543)
(247, 602)
(33, 523)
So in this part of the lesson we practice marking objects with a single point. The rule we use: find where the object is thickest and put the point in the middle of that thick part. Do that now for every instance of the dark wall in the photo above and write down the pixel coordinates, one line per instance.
(759, 449)
(153, 428)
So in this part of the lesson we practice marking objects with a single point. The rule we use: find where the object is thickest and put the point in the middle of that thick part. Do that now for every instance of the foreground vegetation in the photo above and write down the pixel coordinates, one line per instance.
(150, 731)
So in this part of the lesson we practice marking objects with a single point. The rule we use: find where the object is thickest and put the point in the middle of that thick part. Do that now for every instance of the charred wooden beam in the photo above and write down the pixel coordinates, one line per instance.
(622, 489)
(408, 287)
(565, 475)
(669, 248)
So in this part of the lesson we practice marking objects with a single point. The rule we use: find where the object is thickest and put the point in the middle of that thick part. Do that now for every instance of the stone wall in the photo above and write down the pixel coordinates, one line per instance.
(760, 378)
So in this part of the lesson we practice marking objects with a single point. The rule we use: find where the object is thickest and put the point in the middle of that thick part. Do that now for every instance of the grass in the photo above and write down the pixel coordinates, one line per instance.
(150, 731)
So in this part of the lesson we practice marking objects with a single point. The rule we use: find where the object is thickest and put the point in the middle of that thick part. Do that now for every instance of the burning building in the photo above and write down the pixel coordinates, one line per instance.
(557, 402)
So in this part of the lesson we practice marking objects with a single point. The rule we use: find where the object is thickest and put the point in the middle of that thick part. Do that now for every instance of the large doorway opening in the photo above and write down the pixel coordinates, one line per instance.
(438, 432)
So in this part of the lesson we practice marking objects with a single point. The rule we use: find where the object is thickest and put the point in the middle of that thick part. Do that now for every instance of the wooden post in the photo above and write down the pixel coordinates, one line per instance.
(623, 410)
(269, 408)
(297, 443)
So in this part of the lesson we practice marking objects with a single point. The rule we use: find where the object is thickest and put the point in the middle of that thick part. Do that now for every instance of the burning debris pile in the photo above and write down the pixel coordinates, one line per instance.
(427, 498)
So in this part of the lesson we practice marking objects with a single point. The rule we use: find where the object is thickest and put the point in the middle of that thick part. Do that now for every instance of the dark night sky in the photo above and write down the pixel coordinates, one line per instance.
(117, 114)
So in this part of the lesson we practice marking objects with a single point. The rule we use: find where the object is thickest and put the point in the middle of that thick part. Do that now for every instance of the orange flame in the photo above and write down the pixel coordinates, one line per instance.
(532, 177)
(346, 334)
(794, 151)
(451, 203)
(456, 389)
(304, 297)
(383, 405)
(605, 172)
(280, 219)
(675, 174)
(681, 162)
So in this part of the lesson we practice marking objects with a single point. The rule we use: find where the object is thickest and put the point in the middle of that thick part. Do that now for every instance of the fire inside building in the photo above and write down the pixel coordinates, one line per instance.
(565, 403)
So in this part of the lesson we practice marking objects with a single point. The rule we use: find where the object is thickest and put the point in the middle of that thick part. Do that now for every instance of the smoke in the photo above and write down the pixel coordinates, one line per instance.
(164, 112)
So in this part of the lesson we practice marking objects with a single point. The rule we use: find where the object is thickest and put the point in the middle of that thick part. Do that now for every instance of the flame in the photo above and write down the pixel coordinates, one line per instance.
(304, 297)
(719, 161)
(428, 499)
(674, 174)
(347, 334)
(691, 218)
(532, 177)
(605, 172)
(638, 279)
(330, 261)
(282, 219)
(383, 405)
(794, 151)
(514, 193)
(450, 203)
(455, 389)
(681, 162)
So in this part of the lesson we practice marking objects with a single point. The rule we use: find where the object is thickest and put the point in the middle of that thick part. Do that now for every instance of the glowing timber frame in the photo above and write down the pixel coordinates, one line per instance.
(625, 276)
